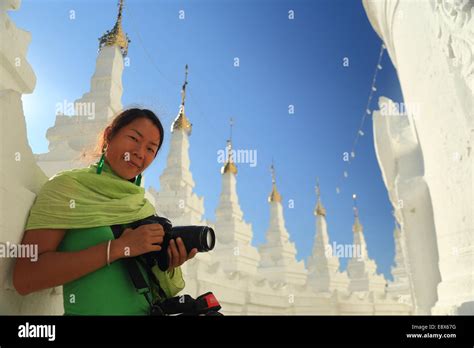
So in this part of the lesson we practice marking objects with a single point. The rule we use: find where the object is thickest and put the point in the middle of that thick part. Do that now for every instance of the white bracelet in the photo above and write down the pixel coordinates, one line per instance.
(108, 252)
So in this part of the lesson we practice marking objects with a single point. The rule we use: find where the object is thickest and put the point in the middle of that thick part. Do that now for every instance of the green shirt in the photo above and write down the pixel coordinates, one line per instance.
(108, 290)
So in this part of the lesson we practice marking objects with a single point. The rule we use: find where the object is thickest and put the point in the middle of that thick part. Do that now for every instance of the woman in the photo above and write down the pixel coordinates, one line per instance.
(71, 218)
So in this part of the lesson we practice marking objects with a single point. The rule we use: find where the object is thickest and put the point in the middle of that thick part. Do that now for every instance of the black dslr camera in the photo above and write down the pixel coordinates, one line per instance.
(200, 237)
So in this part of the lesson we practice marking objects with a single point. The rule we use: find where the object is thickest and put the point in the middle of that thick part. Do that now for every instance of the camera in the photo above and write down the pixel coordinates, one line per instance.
(200, 237)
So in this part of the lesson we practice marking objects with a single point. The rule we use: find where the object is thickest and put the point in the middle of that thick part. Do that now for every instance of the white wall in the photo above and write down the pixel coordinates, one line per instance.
(20, 177)
(431, 45)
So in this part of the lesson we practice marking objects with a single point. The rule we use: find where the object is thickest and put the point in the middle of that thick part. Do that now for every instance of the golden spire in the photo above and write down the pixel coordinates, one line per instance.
(116, 36)
(181, 121)
(320, 210)
(229, 165)
(274, 195)
(357, 227)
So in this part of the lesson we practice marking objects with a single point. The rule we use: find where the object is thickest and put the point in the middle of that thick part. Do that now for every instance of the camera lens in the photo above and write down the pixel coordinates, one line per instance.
(209, 239)
(200, 237)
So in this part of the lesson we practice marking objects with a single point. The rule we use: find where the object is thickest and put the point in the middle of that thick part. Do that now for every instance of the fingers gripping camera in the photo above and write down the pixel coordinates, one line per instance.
(200, 237)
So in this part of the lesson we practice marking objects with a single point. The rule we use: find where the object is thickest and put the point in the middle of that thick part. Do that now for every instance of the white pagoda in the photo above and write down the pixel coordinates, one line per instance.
(323, 264)
(361, 269)
(234, 247)
(278, 255)
(401, 285)
(74, 134)
(176, 199)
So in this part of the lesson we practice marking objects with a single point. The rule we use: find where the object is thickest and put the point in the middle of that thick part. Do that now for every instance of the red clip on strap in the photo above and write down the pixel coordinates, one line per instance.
(211, 301)
(207, 303)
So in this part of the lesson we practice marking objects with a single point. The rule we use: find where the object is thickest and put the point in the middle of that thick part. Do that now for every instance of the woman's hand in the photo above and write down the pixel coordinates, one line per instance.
(134, 242)
(177, 254)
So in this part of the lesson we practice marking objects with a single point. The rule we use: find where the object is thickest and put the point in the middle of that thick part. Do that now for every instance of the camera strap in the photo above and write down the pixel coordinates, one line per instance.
(152, 277)
(187, 305)
(133, 270)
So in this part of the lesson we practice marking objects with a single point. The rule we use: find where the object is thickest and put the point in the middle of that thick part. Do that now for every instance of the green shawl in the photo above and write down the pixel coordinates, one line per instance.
(81, 198)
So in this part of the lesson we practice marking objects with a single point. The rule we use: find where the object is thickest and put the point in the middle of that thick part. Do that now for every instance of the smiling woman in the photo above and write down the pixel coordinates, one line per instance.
(71, 222)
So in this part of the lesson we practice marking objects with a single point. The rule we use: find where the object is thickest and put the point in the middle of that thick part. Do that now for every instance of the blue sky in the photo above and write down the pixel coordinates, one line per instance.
(282, 62)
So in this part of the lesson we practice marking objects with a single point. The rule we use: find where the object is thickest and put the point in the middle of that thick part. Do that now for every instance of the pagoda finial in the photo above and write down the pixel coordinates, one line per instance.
(272, 169)
(274, 195)
(229, 165)
(116, 36)
(183, 89)
(320, 210)
(119, 15)
(357, 227)
(354, 208)
(181, 121)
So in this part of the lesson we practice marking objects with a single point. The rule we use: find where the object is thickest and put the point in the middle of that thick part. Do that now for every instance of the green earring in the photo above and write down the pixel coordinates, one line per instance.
(138, 180)
(100, 164)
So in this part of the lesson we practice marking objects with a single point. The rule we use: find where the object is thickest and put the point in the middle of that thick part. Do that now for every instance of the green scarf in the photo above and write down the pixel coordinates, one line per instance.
(81, 198)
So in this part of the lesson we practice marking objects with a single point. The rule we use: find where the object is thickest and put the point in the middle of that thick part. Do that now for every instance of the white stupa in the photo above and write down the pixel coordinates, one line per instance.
(176, 199)
(278, 254)
(401, 285)
(234, 247)
(361, 269)
(323, 264)
(74, 133)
